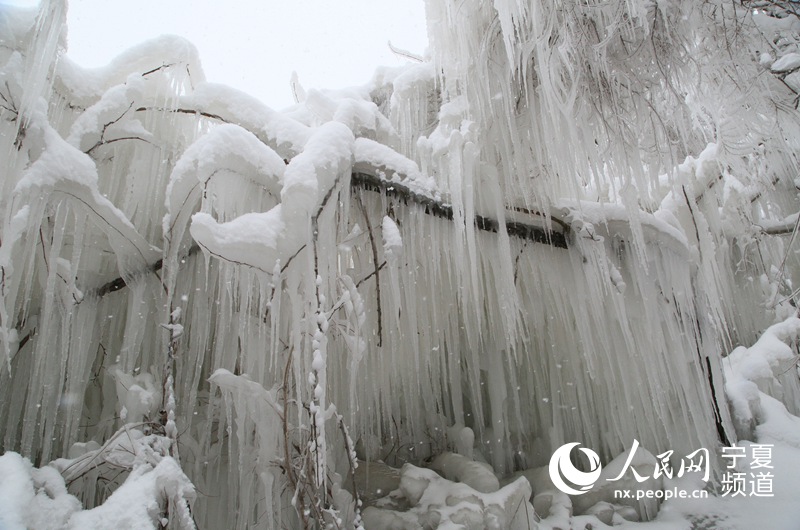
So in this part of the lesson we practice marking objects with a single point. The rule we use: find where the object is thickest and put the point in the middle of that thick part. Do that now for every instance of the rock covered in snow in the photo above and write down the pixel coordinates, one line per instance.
(786, 63)
(37, 498)
(426, 499)
(458, 468)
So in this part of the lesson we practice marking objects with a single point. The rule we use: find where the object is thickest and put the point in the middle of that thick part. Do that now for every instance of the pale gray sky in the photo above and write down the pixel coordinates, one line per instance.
(254, 45)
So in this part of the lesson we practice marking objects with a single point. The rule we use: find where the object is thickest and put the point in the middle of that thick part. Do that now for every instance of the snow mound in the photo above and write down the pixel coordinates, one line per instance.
(432, 501)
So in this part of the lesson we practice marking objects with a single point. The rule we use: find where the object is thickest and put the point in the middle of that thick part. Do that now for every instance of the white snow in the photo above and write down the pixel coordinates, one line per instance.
(88, 85)
(283, 134)
(135, 503)
(439, 503)
(37, 498)
(373, 157)
(261, 239)
(786, 63)
(16, 491)
(392, 240)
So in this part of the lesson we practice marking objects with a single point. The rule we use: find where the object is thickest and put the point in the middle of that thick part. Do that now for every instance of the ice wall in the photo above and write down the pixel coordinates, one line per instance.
(178, 255)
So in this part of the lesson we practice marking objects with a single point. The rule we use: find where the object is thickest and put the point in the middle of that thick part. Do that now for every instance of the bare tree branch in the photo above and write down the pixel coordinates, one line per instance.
(442, 210)
(432, 207)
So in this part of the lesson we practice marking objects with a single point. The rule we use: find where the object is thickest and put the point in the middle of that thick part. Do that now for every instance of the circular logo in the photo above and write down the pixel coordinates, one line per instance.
(561, 465)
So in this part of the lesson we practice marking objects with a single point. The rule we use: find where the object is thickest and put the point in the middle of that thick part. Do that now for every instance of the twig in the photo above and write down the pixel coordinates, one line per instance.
(287, 464)
(154, 70)
(101, 142)
(691, 212)
(102, 139)
(370, 275)
(184, 111)
(349, 449)
(119, 283)
(377, 270)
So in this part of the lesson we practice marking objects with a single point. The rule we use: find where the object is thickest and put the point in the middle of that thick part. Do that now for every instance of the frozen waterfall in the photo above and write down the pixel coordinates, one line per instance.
(552, 230)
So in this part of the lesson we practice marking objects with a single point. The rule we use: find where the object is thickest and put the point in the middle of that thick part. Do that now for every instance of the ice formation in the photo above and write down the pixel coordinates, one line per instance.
(551, 230)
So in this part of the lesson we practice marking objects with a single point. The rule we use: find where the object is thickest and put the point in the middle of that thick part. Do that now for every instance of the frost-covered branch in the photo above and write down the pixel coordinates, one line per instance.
(376, 272)
(785, 226)
(442, 210)
(120, 283)
(428, 205)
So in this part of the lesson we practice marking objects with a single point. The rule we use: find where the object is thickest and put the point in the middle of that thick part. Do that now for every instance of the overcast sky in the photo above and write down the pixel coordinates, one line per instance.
(254, 45)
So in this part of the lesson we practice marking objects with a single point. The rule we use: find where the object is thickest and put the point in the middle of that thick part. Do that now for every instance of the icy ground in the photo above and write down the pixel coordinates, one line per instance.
(37, 499)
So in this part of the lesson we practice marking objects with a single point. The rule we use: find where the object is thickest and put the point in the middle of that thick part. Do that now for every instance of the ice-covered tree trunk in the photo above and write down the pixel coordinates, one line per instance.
(549, 232)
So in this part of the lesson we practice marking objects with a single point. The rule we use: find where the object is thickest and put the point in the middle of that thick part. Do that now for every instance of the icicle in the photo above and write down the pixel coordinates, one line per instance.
(534, 238)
